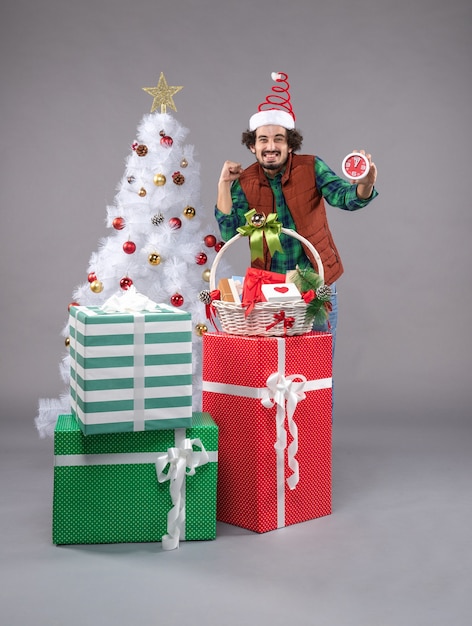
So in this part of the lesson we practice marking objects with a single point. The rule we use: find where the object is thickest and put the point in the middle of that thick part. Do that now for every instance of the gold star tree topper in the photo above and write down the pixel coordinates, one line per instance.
(162, 95)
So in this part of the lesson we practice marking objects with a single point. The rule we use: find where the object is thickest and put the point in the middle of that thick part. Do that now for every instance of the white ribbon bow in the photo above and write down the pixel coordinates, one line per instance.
(282, 389)
(182, 462)
(129, 301)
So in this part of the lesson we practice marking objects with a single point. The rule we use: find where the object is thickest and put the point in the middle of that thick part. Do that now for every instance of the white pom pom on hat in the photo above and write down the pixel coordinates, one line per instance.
(276, 108)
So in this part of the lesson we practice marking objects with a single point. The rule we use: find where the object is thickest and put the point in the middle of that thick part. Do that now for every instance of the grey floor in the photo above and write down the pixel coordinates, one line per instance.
(395, 552)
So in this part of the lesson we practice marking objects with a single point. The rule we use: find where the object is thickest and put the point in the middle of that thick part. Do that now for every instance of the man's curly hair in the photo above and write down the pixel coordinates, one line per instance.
(294, 139)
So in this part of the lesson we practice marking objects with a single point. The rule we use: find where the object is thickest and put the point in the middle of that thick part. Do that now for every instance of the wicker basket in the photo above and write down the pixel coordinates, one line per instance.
(260, 320)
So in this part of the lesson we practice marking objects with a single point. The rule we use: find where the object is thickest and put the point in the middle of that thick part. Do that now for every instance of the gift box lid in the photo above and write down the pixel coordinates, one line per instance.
(250, 360)
(96, 315)
(69, 439)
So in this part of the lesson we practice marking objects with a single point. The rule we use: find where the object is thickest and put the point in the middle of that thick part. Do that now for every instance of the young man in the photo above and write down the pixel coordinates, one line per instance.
(293, 186)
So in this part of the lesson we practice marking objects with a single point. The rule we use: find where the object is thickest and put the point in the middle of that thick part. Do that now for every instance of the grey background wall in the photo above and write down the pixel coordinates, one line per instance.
(391, 77)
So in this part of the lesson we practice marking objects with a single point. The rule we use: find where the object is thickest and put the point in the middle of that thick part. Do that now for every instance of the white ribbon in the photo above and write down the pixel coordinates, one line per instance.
(129, 301)
(113, 458)
(138, 370)
(256, 393)
(280, 390)
(74, 386)
(182, 462)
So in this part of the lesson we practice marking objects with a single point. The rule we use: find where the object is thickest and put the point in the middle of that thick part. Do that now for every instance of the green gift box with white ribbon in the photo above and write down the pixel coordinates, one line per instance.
(130, 370)
(135, 487)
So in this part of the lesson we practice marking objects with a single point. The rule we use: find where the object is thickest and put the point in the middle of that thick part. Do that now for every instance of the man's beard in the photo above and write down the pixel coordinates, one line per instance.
(271, 166)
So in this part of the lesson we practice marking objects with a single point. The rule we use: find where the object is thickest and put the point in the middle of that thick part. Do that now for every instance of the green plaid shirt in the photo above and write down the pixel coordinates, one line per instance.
(336, 191)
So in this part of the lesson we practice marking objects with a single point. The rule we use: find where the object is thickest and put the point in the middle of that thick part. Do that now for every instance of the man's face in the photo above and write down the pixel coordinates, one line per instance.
(271, 148)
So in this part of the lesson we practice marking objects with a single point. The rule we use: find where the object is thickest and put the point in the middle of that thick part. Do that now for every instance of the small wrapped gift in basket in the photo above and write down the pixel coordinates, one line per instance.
(263, 318)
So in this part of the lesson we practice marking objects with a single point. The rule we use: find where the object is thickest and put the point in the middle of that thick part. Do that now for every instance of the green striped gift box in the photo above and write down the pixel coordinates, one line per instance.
(106, 488)
(130, 371)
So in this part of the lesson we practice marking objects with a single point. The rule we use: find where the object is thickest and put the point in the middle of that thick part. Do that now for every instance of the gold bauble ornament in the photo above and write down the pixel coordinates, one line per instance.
(67, 342)
(183, 162)
(206, 275)
(142, 192)
(96, 286)
(154, 258)
(189, 212)
(159, 180)
(201, 329)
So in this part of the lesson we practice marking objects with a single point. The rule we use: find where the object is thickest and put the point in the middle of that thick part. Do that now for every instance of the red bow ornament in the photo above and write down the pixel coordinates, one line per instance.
(308, 296)
(279, 317)
(210, 307)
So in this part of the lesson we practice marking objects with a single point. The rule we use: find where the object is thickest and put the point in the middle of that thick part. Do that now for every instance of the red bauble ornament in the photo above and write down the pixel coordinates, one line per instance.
(72, 304)
(166, 141)
(91, 277)
(177, 299)
(175, 223)
(118, 223)
(219, 245)
(201, 258)
(210, 241)
(129, 247)
(125, 283)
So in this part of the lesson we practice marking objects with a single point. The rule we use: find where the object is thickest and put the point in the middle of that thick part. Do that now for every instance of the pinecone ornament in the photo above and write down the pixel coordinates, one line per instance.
(141, 150)
(178, 178)
(204, 296)
(323, 293)
(157, 219)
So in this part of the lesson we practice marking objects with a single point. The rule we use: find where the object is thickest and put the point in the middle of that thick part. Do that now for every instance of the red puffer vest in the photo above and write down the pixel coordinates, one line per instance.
(306, 206)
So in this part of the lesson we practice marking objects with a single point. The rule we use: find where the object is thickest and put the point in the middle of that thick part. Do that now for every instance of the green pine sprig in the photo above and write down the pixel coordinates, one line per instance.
(307, 279)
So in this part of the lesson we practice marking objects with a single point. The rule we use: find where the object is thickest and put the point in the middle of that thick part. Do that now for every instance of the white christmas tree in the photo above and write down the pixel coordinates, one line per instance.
(159, 244)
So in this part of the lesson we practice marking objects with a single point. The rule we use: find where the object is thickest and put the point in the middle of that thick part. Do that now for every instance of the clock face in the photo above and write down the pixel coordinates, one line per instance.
(355, 165)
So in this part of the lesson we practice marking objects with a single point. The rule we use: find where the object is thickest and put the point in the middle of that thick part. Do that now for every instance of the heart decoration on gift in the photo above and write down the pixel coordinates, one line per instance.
(281, 289)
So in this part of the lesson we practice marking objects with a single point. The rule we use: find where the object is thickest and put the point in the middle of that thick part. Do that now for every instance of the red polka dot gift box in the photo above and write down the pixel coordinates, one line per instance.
(271, 400)
(146, 486)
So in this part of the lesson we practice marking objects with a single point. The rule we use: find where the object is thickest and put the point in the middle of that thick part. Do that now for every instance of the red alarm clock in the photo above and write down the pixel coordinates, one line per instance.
(355, 165)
